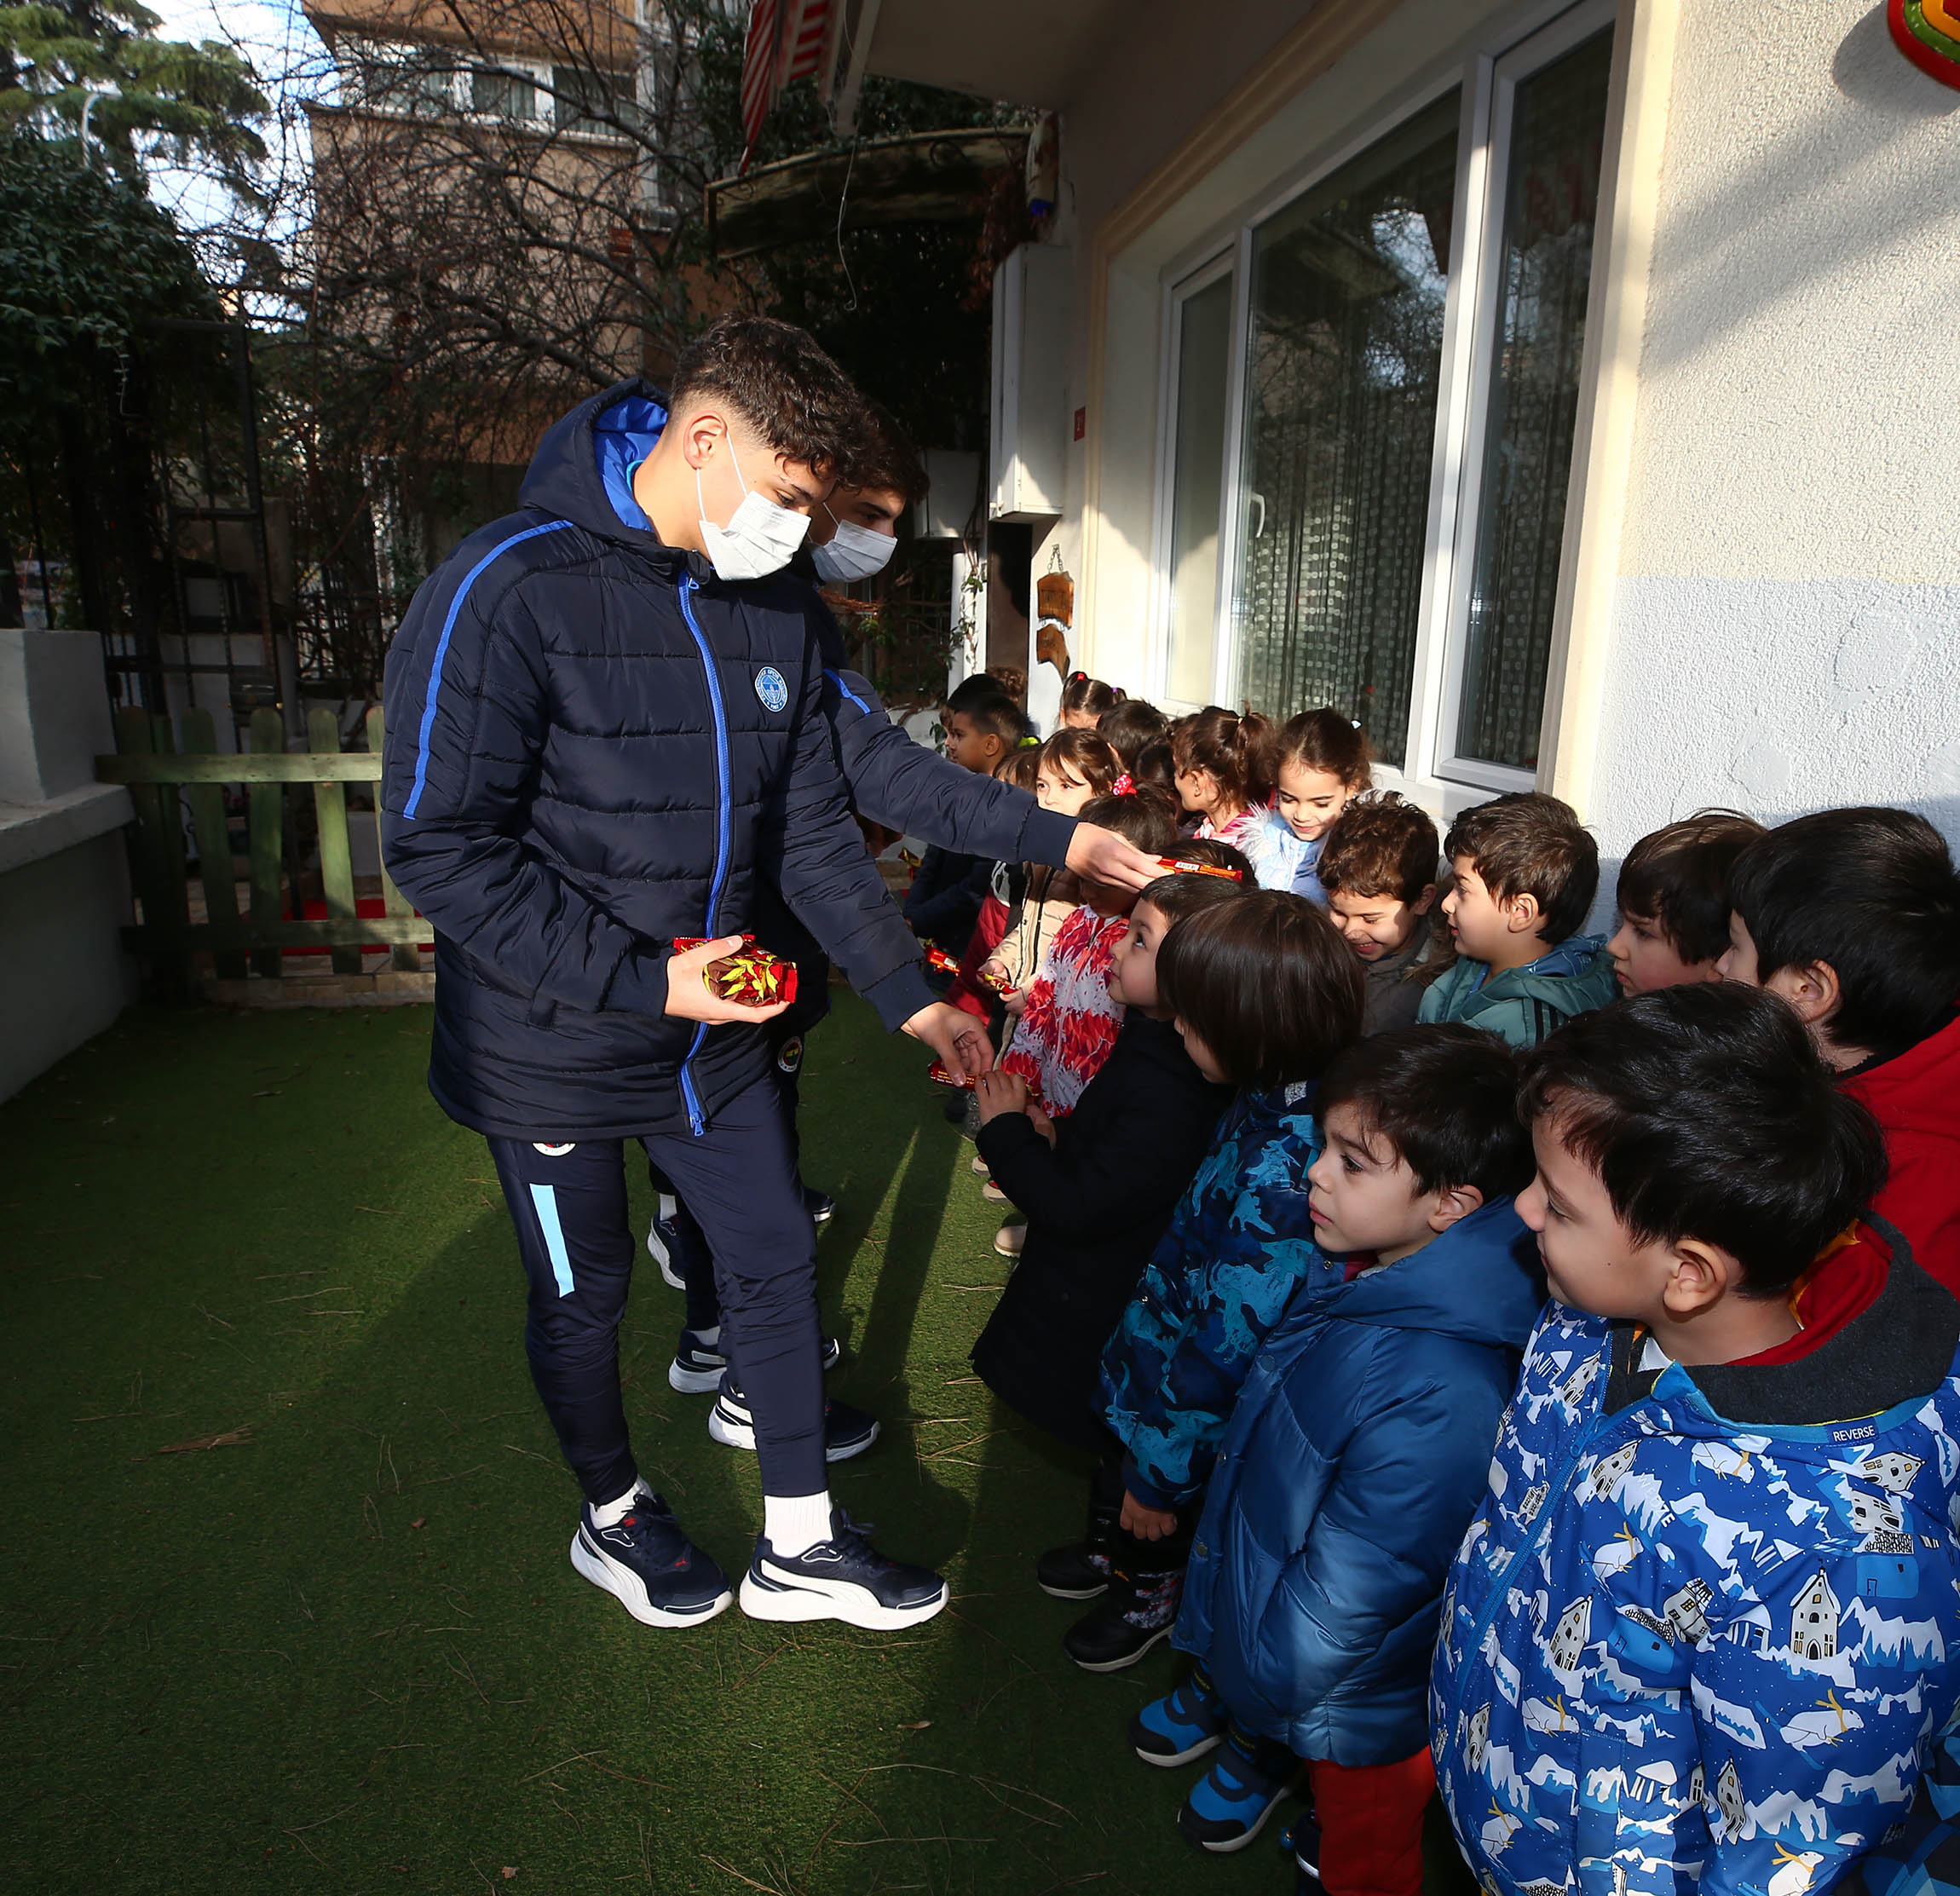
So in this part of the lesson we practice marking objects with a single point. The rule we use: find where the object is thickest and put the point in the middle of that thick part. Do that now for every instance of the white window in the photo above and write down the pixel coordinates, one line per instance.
(1376, 452)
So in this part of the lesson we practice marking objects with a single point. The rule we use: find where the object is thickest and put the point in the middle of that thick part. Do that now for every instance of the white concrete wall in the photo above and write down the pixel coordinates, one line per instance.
(64, 976)
(1785, 630)
(64, 877)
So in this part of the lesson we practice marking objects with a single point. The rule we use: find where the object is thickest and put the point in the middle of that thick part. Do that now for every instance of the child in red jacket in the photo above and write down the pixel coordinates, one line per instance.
(1853, 917)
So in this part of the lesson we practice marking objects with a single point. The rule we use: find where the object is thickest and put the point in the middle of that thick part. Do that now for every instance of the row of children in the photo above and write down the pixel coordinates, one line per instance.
(1284, 1269)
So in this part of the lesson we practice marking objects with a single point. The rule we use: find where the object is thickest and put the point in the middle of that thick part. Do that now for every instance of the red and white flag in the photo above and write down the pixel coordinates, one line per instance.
(786, 41)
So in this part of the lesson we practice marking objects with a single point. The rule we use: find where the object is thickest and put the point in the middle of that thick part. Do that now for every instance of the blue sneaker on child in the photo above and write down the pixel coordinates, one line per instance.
(1181, 1726)
(1229, 1805)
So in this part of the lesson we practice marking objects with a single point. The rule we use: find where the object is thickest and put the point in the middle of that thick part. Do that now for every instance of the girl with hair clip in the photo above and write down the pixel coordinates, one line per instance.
(1264, 993)
(1219, 757)
(1069, 770)
(1316, 765)
(1084, 700)
(1000, 909)
(1069, 1022)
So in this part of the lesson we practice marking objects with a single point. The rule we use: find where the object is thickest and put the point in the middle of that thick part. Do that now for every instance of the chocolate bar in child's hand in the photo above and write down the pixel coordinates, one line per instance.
(1175, 866)
(939, 959)
(751, 977)
(938, 1072)
(1000, 982)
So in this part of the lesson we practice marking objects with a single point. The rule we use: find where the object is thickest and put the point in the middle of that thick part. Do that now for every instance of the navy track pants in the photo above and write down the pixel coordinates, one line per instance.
(568, 1204)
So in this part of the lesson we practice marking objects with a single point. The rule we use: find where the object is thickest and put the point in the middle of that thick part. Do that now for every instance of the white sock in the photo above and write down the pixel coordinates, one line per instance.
(669, 1205)
(613, 1512)
(795, 1526)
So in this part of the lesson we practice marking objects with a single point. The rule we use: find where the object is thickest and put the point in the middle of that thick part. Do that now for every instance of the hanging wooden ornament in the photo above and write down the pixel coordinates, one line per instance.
(1054, 619)
(1928, 33)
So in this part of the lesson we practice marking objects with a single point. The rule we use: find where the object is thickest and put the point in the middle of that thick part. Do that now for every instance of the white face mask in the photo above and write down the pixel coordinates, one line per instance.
(760, 539)
(853, 552)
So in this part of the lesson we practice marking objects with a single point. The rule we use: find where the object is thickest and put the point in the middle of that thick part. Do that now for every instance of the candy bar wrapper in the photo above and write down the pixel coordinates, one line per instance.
(751, 977)
(937, 1072)
(939, 959)
(1000, 983)
(1173, 866)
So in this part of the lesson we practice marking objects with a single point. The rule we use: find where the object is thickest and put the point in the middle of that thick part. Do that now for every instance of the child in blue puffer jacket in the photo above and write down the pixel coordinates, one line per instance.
(1265, 992)
(1354, 1459)
(1705, 1625)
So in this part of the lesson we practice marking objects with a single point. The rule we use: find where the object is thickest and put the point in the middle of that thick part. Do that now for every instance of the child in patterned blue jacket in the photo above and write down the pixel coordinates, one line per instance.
(1706, 1623)
(1265, 992)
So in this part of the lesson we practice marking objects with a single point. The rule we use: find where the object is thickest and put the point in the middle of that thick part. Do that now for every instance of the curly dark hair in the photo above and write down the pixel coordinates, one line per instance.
(884, 460)
(779, 381)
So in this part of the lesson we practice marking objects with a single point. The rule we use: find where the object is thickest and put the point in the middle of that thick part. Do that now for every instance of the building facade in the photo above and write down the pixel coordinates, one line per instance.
(1551, 387)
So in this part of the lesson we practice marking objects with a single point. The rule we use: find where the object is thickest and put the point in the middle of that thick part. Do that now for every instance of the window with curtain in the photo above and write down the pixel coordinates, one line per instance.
(1531, 379)
(1343, 364)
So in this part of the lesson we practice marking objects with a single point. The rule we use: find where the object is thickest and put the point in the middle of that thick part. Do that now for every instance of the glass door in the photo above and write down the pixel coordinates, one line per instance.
(1200, 363)
(1344, 363)
(1548, 129)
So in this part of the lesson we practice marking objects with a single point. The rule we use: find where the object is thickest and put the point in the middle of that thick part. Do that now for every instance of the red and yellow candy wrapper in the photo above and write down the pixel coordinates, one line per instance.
(751, 977)
(1174, 866)
(939, 959)
(966, 1082)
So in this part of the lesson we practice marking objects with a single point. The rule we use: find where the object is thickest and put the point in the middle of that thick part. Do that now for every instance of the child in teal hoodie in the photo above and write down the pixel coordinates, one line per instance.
(1523, 875)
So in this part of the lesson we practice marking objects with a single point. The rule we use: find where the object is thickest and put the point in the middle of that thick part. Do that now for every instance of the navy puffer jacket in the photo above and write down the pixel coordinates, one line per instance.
(594, 746)
(1355, 1458)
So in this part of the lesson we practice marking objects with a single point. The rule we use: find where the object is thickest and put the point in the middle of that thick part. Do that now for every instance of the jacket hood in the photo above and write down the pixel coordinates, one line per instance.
(583, 470)
(1478, 1281)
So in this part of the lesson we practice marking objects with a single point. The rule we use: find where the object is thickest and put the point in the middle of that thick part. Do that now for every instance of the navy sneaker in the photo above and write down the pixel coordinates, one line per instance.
(843, 1578)
(1181, 1726)
(698, 1368)
(662, 1239)
(1303, 1839)
(1229, 1805)
(822, 1206)
(646, 1563)
(847, 1431)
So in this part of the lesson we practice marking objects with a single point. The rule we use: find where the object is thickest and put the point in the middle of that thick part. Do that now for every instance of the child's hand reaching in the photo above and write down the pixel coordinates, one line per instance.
(1001, 1093)
(1042, 1123)
(1015, 1000)
(1147, 1524)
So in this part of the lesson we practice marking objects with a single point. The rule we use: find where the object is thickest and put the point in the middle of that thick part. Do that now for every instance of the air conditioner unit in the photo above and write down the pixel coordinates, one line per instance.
(1031, 297)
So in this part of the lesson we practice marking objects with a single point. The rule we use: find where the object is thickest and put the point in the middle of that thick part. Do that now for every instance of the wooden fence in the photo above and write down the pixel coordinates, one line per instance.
(163, 780)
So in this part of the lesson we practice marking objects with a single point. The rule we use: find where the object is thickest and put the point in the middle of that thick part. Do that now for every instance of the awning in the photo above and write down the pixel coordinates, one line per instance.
(923, 178)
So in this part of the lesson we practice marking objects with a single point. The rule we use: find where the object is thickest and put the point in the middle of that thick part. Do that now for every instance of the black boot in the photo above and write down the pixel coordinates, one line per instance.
(1138, 1610)
(1080, 1571)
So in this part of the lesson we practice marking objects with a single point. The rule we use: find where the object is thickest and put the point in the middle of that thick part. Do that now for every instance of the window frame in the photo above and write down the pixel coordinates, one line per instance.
(1512, 48)
(1177, 292)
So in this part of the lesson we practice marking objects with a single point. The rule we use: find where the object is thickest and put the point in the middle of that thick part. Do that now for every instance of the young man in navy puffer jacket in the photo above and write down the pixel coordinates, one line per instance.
(1354, 1459)
(606, 731)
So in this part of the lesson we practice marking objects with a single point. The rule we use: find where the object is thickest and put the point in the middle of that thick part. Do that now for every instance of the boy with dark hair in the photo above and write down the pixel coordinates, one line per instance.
(607, 731)
(1355, 1457)
(1853, 917)
(1523, 872)
(1378, 866)
(1673, 900)
(1707, 1619)
(949, 886)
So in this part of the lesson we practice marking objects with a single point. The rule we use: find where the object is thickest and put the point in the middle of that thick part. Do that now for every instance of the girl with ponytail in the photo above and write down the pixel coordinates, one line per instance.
(1220, 759)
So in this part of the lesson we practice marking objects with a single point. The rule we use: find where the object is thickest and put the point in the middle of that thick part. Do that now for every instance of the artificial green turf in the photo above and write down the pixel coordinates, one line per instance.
(349, 1653)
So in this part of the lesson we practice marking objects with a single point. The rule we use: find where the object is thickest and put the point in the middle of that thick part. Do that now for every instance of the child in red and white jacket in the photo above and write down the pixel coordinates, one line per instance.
(1067, 1029)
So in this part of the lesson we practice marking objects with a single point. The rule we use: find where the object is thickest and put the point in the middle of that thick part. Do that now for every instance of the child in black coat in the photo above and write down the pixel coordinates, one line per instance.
(1098, 1188)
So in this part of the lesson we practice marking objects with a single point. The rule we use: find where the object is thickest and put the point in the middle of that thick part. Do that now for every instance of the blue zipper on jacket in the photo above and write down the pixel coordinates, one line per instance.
(697, 1121)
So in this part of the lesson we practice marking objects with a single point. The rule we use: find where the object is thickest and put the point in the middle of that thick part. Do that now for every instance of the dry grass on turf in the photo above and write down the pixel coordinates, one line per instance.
(344, 1650)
